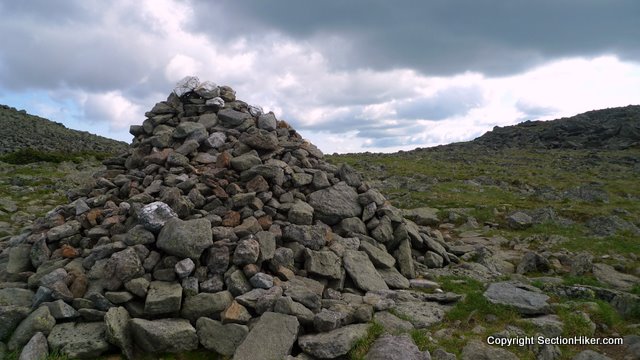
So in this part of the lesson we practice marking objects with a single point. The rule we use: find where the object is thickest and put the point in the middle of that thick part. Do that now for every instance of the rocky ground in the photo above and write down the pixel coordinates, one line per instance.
(224, 234)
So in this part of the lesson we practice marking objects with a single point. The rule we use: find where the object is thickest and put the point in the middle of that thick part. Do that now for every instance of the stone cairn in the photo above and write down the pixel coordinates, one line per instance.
(220, 228)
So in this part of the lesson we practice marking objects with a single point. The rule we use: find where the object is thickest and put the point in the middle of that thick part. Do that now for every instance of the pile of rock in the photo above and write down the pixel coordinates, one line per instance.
(221, 228)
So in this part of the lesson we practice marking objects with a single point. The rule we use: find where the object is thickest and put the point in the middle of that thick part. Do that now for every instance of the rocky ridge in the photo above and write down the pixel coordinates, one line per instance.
(21, 131)
(222, 229)
(614, 128)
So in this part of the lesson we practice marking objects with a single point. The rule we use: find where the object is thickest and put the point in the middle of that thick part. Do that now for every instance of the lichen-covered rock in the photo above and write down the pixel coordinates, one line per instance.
(164, 335)
(185, 238)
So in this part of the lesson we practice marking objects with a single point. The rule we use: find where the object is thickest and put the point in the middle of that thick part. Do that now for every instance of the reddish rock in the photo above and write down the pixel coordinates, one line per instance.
(79, 286)
(265, 222)
(231, 219)
(224, 160)
(69, 252)
(257, 184)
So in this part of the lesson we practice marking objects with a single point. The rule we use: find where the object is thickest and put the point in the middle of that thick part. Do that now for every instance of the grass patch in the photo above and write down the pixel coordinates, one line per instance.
(363, 345)
(28, 156)
(420, 338)
(575, 324)
(582, 280)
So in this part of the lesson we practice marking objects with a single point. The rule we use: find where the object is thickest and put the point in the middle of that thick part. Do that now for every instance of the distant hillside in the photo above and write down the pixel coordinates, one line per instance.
(614, 129)
(21, 131)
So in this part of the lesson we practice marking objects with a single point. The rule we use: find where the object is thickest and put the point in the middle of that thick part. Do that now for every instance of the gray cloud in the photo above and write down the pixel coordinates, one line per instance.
(446, 103)
(494, 37)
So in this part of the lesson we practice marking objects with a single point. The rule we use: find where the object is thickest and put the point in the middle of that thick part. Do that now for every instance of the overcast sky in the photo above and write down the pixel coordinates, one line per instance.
(363, 75)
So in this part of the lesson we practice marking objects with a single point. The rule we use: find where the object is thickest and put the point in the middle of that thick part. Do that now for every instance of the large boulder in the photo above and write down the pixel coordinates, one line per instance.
(401, 347)
(222, 338)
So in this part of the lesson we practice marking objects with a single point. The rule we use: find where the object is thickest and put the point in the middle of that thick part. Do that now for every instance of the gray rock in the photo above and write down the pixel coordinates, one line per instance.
(39, 320)
(519, 220)
(267, 243)
(384, 231)
(441, 354)
(323, 263)
(19, 259)
(153, 216)
(303, 294)
(533, 262)
(286, 305)
(523, 298)
(138, 286)
(313, 237)
(61, 310)
(423, 216)
(392, 323)
(163, 298)
(394, 279)
(327, 320)
(301, 179)
(247, 252)
(10, 317)
(590, 355)
(205, 305)
(124, 265)
(475, 350)
(138, 235)
(362, 271)
(79, 340)
(332, 344)
(300, 213)
(335, 203)
(237, 283)
(16, 296)
(260, 139)
(420, 314)
(65, 230)
(184, 268)
(118, 331)
(405, 261)
(216, 140)
(164, 335)
(224, 339)
(391, 347)
(379, 257)
(185, 238)
(36, 349)
(581, 264)
(548, 325)
(272, 337)
(433, 260)
(267, 122)
(261, 280)
(608, 275)
(187, 128)
(320, 180)
(231, 118)
(245, 161)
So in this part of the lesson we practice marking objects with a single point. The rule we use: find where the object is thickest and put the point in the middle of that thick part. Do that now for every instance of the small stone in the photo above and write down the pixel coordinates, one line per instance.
(163, 298)
(261, 280)
(164, 335)
(235, 313)
(184, 268)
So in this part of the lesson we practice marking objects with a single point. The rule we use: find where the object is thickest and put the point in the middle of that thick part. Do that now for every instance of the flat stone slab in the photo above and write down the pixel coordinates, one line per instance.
(390, 347)
(420, 314)
(362, 271)
(164, 335)
(608, 275)
(79, 340)
(522, 297)
(330, 345)
(221, 338)
(272, 337)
